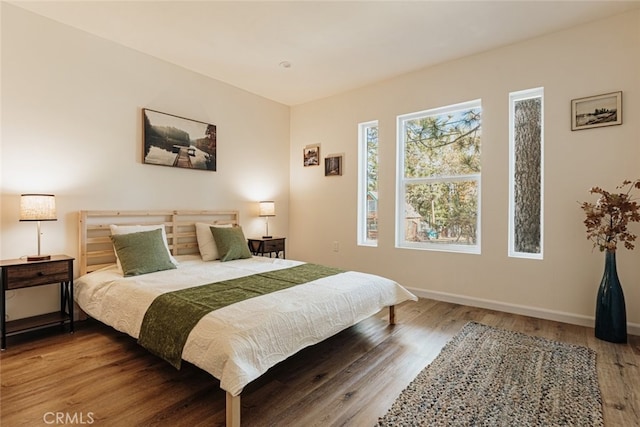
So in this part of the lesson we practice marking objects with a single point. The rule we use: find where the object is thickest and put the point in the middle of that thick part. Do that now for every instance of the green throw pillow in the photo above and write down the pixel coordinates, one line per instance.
(231, 243)
(142, 252)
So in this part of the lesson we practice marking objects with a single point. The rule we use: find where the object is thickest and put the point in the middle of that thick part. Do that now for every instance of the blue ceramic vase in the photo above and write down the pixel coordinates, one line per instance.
(611, 315)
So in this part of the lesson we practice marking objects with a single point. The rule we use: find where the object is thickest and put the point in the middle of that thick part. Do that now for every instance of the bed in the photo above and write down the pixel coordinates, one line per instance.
(239, 340)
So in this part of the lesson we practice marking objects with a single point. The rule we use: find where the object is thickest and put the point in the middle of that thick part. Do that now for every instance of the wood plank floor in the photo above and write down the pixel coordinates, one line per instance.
(102, 377)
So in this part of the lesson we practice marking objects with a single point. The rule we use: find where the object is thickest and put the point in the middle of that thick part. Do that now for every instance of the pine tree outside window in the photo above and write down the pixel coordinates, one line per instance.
(526, 177)
(438, 197)
(368, 184)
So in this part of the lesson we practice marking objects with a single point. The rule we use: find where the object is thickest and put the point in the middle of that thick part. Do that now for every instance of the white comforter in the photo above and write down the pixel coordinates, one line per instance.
(240, 342)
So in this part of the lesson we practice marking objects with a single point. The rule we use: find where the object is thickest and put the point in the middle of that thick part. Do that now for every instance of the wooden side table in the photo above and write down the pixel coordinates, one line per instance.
(20, 273)
(267, 245)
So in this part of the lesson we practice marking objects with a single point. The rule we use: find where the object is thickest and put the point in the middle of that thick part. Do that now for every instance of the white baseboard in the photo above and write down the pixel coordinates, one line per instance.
(541, 313)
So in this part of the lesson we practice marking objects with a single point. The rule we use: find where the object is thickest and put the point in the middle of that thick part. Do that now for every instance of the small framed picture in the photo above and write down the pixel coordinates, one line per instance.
(333, 166)
(311, 155)
(596, 111)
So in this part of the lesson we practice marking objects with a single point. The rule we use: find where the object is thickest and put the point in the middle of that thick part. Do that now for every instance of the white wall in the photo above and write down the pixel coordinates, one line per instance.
(71, 126)
(589, 60)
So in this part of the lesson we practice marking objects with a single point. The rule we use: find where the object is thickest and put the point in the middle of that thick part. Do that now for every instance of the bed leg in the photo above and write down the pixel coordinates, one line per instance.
(233, 410)
(392, 314)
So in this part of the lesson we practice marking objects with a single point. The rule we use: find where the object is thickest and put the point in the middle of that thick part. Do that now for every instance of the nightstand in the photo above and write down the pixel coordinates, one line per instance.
(20, 273)
(267, 245)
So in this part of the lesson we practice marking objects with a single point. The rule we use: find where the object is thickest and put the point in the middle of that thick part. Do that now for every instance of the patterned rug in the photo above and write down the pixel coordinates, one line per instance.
(491, 377)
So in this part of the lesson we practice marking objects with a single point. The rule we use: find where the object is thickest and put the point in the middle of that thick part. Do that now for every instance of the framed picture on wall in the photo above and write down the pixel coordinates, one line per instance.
(170, 140)
(596, 111)
(333, 166)
(311, 155)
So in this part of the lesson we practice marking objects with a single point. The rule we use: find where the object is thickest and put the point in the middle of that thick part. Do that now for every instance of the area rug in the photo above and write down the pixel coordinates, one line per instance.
(491, 377)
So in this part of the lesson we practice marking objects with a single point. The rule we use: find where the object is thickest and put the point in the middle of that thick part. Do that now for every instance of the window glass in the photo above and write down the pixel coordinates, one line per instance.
(368, 184)
(438, 203)
(525, 180)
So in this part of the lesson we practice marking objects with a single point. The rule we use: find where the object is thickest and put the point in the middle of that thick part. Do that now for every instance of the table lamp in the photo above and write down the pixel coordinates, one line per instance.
(267, 209)
(38, 207)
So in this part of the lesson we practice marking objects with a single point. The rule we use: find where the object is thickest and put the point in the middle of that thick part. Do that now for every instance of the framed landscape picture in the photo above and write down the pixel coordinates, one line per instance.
(170, 140)
(596, 111)
(311, 155)
(333, 166)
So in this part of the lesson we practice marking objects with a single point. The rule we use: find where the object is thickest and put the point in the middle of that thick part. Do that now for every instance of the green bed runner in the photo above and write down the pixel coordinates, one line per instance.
(171, 316)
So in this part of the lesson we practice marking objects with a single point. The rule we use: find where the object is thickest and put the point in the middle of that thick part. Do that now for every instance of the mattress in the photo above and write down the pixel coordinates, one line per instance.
(240, 342)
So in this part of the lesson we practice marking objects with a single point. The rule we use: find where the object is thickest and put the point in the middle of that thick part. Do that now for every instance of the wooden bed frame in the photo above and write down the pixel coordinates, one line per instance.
(96, 249)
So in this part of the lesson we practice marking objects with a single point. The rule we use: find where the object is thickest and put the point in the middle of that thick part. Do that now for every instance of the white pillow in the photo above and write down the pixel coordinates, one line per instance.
(127, 229)
(206, 244)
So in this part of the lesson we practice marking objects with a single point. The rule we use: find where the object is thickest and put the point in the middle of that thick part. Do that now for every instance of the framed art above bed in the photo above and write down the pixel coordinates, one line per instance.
(170, 140)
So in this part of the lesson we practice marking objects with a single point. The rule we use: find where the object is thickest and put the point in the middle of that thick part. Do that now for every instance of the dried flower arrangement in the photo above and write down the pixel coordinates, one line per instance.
(608, 217)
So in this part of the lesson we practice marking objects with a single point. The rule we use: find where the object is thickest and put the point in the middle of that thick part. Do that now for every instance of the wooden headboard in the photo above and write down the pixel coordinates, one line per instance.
(96, 249)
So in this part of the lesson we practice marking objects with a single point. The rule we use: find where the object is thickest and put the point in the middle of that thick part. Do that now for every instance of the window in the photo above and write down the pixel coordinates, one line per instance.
(525, 173)
(438, 205)
(368, 184)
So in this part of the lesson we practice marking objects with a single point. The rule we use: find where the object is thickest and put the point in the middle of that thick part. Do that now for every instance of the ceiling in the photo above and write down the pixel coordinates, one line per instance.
(331, 46)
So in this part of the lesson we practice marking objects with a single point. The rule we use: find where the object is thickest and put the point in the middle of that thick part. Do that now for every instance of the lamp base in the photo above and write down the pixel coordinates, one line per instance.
(38, 257)
(267, 237)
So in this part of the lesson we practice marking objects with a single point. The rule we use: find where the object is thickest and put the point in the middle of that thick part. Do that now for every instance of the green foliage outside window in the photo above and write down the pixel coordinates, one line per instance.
(372, 182)
(442, 176)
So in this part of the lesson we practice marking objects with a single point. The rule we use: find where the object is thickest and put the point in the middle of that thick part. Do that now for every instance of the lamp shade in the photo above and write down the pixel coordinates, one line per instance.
(267, 208)
(38, 207)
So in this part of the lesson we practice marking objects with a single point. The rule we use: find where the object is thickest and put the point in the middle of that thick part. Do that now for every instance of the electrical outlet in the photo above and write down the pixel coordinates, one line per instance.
(336, 246)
